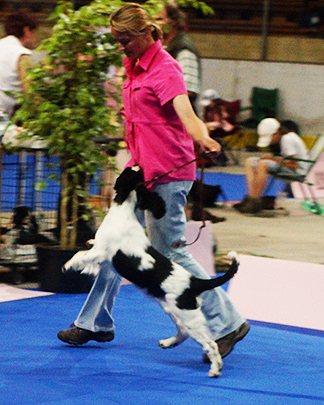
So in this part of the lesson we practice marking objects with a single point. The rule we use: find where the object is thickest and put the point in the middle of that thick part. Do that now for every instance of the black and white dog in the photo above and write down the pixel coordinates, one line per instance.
(121, 239)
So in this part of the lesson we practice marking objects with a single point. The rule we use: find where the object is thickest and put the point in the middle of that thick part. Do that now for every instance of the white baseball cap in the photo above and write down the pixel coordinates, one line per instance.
(266, 129)
(207, 96)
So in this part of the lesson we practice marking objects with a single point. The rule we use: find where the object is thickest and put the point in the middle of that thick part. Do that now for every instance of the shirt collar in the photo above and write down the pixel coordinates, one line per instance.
(146, 59)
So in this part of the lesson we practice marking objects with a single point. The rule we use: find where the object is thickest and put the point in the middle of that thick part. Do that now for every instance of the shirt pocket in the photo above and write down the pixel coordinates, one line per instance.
(137, 95)
(126, 85)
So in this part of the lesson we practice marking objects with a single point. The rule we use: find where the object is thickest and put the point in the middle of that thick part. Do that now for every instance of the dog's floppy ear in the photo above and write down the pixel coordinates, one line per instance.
(127, 182)
(150, 200)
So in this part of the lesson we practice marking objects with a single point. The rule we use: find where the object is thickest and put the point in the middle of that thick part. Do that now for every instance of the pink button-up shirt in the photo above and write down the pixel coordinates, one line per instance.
(156, 138)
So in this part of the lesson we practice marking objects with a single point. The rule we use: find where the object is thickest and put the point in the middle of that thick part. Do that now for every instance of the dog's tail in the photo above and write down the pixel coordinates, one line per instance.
(199, 285)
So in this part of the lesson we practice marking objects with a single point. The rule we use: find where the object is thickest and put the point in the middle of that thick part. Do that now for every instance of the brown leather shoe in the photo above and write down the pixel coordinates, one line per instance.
(240, 204)
(226, 344)
(78, 336)
(252, 206)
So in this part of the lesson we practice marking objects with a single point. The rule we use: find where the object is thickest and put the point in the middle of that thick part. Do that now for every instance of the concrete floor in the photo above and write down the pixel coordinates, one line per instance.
(298, 236)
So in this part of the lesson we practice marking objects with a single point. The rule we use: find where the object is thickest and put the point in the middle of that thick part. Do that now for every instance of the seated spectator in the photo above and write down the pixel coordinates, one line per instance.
(257, 169)
(292, 127)
(207, 96)
(15, 57)
(219, 119)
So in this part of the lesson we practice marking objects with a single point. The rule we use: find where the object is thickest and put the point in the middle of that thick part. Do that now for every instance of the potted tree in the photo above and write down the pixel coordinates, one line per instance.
(71, 101)
(72, 98)
(66, 106)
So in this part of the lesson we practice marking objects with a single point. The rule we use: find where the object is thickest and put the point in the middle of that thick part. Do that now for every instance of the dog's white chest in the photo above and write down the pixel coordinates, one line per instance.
(120, 230)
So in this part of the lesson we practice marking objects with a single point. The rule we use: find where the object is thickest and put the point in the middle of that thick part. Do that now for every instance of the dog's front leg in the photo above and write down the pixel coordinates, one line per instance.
(86, 261)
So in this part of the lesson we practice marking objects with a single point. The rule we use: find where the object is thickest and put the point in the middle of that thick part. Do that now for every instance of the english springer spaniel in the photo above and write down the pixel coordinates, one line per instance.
(121, 239)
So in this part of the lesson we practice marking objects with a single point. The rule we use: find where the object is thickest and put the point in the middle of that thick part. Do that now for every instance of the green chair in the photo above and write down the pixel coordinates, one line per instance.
(264, 104)
(310, 204)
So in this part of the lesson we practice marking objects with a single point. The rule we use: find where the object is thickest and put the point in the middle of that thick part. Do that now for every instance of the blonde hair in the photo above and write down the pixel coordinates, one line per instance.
(133, 18)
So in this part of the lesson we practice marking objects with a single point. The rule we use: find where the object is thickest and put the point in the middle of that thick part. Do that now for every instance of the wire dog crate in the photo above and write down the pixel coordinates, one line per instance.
(25, 186)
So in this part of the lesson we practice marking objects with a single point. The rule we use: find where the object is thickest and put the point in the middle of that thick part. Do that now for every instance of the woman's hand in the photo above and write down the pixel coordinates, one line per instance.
(194, 125)
(209, 145)
(213, 125)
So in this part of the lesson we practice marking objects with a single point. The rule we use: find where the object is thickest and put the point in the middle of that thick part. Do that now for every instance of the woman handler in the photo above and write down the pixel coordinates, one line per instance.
(160, 126)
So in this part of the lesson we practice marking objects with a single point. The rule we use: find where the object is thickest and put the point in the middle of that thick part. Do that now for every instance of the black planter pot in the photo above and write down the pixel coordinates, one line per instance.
(51, 279)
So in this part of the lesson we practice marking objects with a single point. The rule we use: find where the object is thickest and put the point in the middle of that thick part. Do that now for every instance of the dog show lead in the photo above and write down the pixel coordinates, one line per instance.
(160, 126)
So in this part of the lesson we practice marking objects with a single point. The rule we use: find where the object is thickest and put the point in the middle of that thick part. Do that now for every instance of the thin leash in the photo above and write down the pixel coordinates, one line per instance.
(180, 167)
(200, 181)
(200, 206)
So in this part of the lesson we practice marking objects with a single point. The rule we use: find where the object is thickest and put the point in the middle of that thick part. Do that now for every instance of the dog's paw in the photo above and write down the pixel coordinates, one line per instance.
(214, 374)
(66, 267)
(216, 367)
(90, 243)
(172, 342)
(168, 343)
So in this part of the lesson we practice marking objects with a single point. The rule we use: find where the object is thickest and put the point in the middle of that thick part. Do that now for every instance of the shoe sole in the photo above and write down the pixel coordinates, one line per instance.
(78, 343)
(71, 342)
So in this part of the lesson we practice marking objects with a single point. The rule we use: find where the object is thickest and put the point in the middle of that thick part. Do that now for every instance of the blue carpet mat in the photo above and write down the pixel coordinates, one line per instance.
(271, 366)
(234, 185)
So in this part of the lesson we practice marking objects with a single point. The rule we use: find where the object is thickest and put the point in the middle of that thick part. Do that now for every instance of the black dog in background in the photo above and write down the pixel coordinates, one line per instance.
(203, 196)
(28, 229)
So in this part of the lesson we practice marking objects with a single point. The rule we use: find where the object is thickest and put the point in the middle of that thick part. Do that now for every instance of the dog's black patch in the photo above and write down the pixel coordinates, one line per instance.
(187, 300)
(150, 200)
(131, 179)
(126, 183)
(149, 280)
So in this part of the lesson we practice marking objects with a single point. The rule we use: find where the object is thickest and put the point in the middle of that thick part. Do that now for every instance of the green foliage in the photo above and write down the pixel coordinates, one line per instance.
(66, 105)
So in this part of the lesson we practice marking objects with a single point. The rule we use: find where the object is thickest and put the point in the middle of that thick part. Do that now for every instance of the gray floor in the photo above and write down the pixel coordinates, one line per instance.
(298, 236)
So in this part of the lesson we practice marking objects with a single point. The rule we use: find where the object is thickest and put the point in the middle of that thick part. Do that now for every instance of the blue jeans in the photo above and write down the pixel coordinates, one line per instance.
(222, 317)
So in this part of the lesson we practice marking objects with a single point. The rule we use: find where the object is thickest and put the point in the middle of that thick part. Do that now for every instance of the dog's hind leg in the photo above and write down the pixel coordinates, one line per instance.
(211, 348)
(174, 341)
(195, 326)
(180, 337)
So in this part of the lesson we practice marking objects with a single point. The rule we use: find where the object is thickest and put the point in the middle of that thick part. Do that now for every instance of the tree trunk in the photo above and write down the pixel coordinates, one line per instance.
(64, 213)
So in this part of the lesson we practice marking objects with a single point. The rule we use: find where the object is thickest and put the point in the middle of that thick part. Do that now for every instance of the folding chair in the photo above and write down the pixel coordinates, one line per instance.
(264, 104)
(314, 155)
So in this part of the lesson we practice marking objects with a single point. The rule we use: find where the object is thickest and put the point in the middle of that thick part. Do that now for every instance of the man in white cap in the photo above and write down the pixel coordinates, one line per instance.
(257, 169)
